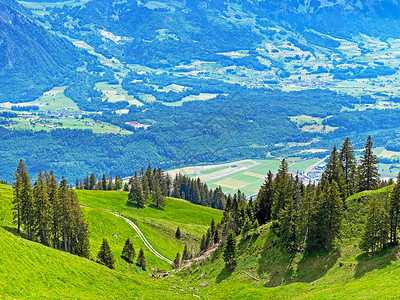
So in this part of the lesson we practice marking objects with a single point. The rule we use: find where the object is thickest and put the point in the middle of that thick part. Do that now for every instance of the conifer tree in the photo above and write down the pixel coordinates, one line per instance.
(110, 185)
(141, 261)
(105, 256)
(26, 206)
(177, 261)
(375, 230)
(212, 227)
(128, 252)
(283, 190)
(394, 211)
(118, 185)
(186, 254)
(265, 198)
(42, 208)
(216, 237)
(368, 169)
(334, 172)
(332, 214)
(104, 183)
(92, 182)
(136, 195)
(159, 199)
(230, 251)
(52, 191)
(208, 239)
(178, 234)
(287, 226)
(349, 167)
(203, 245)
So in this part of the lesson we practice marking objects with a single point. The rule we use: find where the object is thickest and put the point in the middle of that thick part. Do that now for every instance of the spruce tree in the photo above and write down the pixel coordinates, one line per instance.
(141, 261)
(42, 207)
(186, 254)
(230, 251)
(368, 169)
(128, 252)
(375, 231)
(203, 245)
(17, 187)
(334, 172)
(332, 213)
(394, 211)
(136, 195)
(92, 182)
(264, 200)
(105, 256)
(27, 206)
(349, 166)
(178, 234)
(216, 237)
(104, 182)
(283, 190)
(159, 199)
(177, 261)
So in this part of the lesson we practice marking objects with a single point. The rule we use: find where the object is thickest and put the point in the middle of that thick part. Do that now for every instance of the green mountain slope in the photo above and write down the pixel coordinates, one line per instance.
(30, 270)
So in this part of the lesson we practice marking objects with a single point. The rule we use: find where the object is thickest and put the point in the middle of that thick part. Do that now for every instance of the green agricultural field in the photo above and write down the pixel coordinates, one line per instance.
(115, 93)
(36, 123)
(246, 175)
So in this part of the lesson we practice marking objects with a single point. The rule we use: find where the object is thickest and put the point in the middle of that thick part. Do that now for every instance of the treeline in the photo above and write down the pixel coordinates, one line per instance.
(193, 190)
(151, 185)
(105, 184)
(49, 213)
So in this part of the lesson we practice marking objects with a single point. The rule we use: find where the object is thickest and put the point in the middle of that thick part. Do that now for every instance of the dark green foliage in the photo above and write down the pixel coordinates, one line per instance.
(128, 252)
(263, 203)
(105, 256)
(230, 251)
(197, 192)
(368, 169)
(394, 212)
(141, 261)
(178, 234)
(203, 244)
(349, 167)
(177, 261)
(186, 254)
(376, 229)
(50, 214)
(135, 195)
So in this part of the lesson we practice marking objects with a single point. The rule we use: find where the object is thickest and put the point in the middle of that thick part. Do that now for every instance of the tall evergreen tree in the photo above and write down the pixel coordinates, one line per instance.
(92, 182)
(105, 256)
(136, 195)
(178, 233)
(42, 208)
(283, 190)
(368, 169)
(177, 261)
(17, 187)
(141, 261)
(104, 182)
(128, 252)
(375, 231)
(230, 251)
(349, 167)
(334, 172)
(394, 211)
(265, 198)
(186, 254)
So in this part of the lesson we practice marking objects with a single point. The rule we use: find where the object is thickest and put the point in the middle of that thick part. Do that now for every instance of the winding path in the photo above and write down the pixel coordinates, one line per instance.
(143, 238)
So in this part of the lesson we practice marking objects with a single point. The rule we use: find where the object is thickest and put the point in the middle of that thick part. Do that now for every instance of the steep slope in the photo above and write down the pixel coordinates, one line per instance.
(345, 272)
(32, 60)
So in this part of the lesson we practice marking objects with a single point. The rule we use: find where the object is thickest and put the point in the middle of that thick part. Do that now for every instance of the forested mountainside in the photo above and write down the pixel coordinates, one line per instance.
(31, 59)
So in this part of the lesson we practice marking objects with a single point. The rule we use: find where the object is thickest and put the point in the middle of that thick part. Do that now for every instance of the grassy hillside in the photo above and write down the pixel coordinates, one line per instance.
(303, 276)
(30, 270)
(57, 274)
(157, 225)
